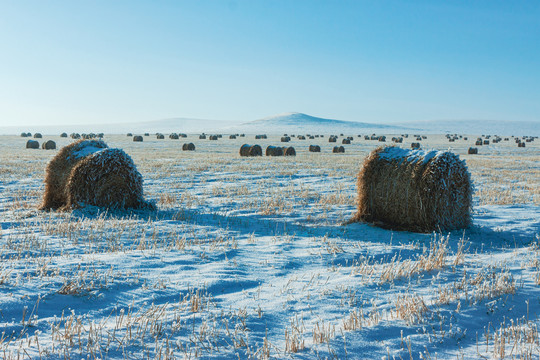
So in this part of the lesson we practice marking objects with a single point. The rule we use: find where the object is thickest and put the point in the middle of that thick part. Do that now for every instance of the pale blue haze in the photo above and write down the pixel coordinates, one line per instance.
(378, 61)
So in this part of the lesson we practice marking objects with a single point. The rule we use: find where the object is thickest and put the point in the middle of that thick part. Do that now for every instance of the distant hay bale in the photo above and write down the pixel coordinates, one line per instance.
(213, 137)
(332, 139)
(23, 134)
(232, 136)
(188, 147)
(346, 141)
(32, 144)
(472, 151)
(106, 178)
(202, 137)
(250, 150)
(48, 145)
(146, 134)
(301, 137)
(75, 136)
(274, 151)
(63, 135)
(415, 146)
(129, 134)
(160, 136)
(174, 136)
(314, 148)
(414, 190)
(138, 138)
(382, 138)
(59, 169)
(261, 136)
(338, 149)
(486, 142)
(521, 144)
(182, 135)
(285, 138)
(37, 136)
(289, 151)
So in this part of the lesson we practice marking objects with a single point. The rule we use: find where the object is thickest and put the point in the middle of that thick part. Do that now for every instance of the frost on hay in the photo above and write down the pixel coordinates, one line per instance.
(107, 178)
(414, 190)
(250, 150)
(59, 169)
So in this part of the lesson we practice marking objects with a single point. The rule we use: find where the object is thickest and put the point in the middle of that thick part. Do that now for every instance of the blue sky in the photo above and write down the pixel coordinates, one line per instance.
(375, 61)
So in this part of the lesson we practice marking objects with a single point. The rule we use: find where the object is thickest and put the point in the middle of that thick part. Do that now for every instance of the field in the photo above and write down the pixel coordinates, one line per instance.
(251, 258)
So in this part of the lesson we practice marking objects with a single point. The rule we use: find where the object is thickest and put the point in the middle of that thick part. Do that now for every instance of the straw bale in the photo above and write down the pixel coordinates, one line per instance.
(23, 134)
(232, 136)
(289, 151)
(250, 150)
(63, 135)
(37, 136)
(274, 151)
(202, 136)
(106, 178)
(48, 145)
(138, 138)
(174, 136)
(314, 148)
(188, 147)
(332, 139)
(338, 149)
(213, 137)
(285, 139)
(415, 145)
(32, 144)
(346, 141)
(414, 190)
(129, 134)
(160, 136)
(59, 169)
(472, 150)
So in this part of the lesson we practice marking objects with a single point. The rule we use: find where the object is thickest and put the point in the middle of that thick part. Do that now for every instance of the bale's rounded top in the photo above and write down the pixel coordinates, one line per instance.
(391, 153)
(84, 148)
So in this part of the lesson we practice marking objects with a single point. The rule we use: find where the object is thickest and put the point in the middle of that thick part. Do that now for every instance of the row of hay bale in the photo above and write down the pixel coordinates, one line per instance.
(280, 151)
(47, 145)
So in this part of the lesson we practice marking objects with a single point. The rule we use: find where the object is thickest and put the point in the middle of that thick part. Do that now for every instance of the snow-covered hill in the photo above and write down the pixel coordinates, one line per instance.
(302, 123)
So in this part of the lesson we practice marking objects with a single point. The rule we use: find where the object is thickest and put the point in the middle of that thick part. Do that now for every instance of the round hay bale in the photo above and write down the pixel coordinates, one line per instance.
(174, 136)
(182, 135)
(129, 134)
(232, 136)
(338, 149)
(75, 136)
(289, 151)
(48, 145)
(314, 148)
(138, 138)
(415, 145)
(59, 169)
(32, 144)
(146, 134)
(213, 137)
(414, 190)
(250, 150)
(274, 151)
(202, 137)
(188, 147)
(472, 151)
(106, 178)
(63, 135)
(285, 139)
(332, 139)
(346, 141)
(37, 136)
(521, 144)
(23, 134)
(160, 136)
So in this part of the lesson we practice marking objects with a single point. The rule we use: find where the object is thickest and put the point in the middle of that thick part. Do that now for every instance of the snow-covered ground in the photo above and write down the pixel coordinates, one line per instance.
(252, 258)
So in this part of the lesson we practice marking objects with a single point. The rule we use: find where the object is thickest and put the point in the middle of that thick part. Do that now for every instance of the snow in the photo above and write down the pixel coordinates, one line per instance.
(242, 251)
(395, 153)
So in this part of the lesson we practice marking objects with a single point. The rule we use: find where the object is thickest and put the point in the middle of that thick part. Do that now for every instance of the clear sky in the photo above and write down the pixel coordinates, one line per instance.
(107, 61)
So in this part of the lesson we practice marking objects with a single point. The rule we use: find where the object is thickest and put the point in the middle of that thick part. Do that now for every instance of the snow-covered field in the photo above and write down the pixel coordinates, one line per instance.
(250, 258)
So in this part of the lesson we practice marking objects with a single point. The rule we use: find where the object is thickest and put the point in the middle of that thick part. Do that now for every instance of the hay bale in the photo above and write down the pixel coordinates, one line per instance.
(472, 151)
(37, 136)
(213, 137)
(146, 134)
(232, 136)
(106, 178)
(23, 134)
(182, 135)
(521, 144)
(63, 135)
(289, 151)
(415, 146)
(32, 144)
(138, 138)
(174, 136)
(314, 148)
(202, 136)
(129, 134)
(48, 145)
(486, 142)
(59, 169)
(250, 150)
(188, 147)
(332, 138)
(346, 141)
(285, 138)
(414, 190)
(274, 151)
(338, 149)
(75, 136)
(160, 136)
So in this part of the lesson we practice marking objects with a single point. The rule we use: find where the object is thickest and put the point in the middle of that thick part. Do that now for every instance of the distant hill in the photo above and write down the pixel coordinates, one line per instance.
(302, 123)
